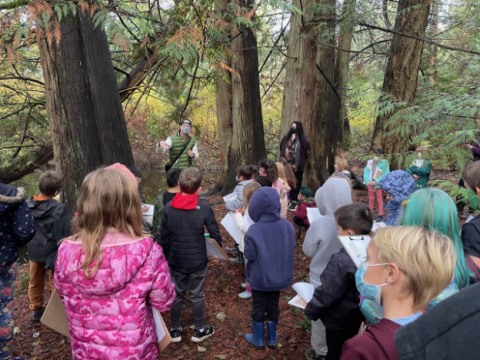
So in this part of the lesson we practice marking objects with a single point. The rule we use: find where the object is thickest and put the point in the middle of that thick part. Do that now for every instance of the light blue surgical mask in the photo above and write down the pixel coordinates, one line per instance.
(368, 291)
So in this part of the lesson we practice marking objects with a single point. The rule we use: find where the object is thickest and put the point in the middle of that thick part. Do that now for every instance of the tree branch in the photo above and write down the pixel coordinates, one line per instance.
(418, 38)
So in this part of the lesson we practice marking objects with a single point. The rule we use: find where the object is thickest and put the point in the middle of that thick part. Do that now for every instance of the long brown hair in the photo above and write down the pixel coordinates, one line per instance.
(108, 200)
(248, 191)
(289, 174)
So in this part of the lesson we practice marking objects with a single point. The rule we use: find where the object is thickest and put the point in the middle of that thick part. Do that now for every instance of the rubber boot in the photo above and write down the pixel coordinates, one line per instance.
(272, 334)
(256, 339)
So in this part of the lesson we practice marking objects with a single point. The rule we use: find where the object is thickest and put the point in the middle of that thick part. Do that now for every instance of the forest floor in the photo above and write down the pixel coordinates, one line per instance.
(37, 342)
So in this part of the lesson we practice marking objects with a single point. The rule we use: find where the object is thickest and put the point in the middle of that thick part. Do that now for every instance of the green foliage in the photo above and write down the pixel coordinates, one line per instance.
(306, 324)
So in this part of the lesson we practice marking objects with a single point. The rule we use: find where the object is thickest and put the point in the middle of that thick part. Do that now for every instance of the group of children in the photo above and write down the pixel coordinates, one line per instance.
(110, 274)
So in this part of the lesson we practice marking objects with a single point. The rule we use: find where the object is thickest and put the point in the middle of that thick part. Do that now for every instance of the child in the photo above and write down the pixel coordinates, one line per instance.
(240, 222)
(471, 230)
(406, 267)
(335, 302)
(374, 171)
(283, 189)
(420, 169)
(321, 243)
(398, 185)
(244, 177)
(163, 199)
(108, 274)
(268, 168)
(289, 173)
(269, 248)
(45, 211)
(183, 240)
(17, 228)
(341, 168)
(305, 200)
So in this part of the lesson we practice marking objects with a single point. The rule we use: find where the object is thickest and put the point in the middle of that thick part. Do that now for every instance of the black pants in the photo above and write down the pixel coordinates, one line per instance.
(299, 222)
(336, 339)
(265, 302)
(294, 192)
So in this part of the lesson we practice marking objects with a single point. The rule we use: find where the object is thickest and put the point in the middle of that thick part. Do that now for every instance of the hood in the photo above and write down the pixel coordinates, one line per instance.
(10, 194)
(45, 209)
(309, 200)
(399, 184)
(245, 182)
(115, 272)
(334, 194)
(264, 205)
(383, 334)
(185, 201)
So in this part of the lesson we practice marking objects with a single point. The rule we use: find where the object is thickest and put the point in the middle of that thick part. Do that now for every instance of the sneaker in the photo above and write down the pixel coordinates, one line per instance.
(237, 261)
(243, 285)
(245, 295)
(232, 249)
(199, 336)
(176, 335)
(292, 206)
(310, 354)
(379, 219)
(235, 252)
(38, 315)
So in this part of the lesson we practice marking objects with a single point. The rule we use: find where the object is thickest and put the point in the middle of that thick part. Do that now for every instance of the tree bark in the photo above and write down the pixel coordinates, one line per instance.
(327, 128)
(433, 31)
(83, 103)
(401, 76)
(347, 23)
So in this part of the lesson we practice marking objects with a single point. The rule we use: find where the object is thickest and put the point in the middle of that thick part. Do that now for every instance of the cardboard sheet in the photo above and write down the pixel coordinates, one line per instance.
(213, 249)
(356, 247)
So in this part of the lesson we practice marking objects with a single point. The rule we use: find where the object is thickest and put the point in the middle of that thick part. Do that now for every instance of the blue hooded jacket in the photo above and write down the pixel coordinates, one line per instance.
(400, 185)
(269, 243)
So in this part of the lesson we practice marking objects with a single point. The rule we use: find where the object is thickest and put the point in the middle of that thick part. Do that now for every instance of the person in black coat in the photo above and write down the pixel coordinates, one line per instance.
(62, 229)
(336, 300)
(184, 219)
(296, 148)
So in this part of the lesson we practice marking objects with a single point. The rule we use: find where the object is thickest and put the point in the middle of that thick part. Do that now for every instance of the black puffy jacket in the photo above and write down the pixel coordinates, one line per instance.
(336, 300)
(62, 229)
(183, 233)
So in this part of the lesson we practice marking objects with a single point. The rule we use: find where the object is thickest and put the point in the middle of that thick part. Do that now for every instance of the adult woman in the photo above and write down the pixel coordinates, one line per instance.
(295, 147)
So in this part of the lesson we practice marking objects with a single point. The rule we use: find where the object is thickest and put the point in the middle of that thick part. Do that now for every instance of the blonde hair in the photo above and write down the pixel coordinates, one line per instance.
(248, 191)
(342, 163)
(280, 170)
(108, 199)
(426, 257)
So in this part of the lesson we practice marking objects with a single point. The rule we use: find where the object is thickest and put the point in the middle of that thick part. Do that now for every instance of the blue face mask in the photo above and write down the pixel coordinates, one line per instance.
(368, 291)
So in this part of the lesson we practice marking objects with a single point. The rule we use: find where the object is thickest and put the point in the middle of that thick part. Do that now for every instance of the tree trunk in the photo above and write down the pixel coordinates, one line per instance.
(433, 31)
(343, 61)
(242, 142)
(83, 103)
(326, 129)
(401, 76)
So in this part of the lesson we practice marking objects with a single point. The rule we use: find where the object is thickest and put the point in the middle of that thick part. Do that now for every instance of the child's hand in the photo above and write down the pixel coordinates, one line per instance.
(145, 208)
(239, 211)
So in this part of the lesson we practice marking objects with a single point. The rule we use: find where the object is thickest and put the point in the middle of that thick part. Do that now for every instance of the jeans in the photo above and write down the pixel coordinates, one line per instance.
(294, 192)
(265, 302)
(8, 274)
(194, 283)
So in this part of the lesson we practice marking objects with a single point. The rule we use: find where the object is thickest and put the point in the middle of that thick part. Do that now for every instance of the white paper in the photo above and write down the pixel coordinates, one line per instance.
(212, 250)
(313, 214)
(148, 215)
(356, 247)
(304, 294)
(377, 226)
(160, 330)
(248, 221)
(228, 222)
(378, 173)
(230, 197)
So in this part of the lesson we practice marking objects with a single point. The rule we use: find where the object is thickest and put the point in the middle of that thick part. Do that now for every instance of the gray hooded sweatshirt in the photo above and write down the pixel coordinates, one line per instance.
(321, 240)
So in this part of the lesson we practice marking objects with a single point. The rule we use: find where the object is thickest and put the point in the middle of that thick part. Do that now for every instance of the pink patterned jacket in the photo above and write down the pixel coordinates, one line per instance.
(108, 316)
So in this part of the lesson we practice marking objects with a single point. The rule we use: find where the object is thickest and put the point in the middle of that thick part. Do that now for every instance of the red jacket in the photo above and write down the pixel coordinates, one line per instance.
(301, 212)
(375, 343)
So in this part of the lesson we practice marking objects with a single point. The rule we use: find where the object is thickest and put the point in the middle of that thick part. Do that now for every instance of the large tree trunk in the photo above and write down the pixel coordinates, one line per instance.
(327, 128)
(343, 60)
(239, 111)
(433, 31)
(401, 75)
(83, 103)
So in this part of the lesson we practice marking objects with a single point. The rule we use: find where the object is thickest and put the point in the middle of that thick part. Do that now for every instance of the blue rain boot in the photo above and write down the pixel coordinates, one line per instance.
(272, 334)
(256, 339)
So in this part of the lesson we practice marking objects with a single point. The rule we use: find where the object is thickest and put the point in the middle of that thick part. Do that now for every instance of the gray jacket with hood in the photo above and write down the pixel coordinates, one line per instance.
(237, 203)
(321, 240)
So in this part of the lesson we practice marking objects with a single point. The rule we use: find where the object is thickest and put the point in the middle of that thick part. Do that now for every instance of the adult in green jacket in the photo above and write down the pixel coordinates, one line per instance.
(420, 169)
(174, 144)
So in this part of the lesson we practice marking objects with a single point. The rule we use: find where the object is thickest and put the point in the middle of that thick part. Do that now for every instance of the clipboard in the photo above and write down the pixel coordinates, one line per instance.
(356, 247)
(213, 249)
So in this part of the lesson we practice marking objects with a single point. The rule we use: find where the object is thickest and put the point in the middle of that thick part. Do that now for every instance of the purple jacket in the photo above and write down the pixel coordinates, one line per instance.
(476, 150)
(108, 316)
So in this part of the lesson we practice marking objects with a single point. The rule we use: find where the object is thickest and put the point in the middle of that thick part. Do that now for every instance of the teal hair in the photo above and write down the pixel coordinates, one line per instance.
(434, 209)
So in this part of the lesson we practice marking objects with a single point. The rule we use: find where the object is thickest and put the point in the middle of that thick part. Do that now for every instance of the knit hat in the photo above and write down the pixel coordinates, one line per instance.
(123, 168)
(305, 191)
